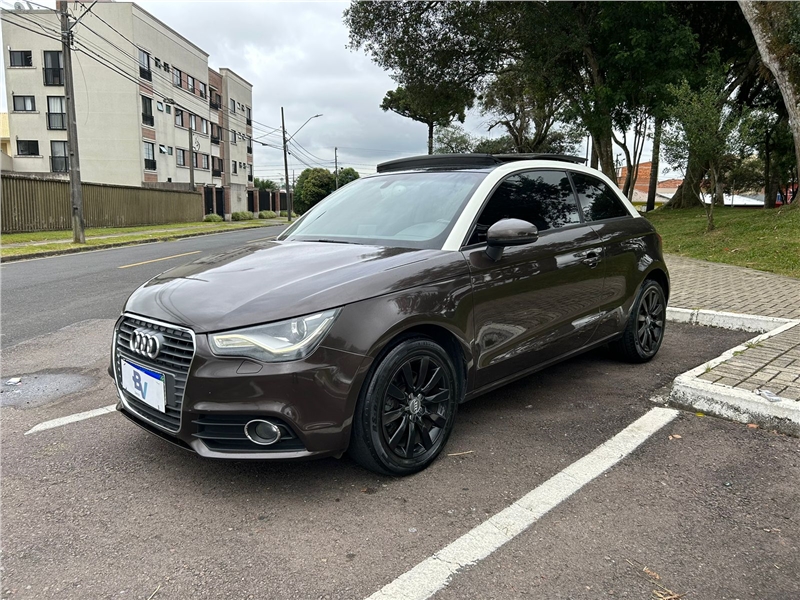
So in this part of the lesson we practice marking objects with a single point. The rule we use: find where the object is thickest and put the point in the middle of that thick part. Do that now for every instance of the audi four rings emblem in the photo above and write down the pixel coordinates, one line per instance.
(146, 342)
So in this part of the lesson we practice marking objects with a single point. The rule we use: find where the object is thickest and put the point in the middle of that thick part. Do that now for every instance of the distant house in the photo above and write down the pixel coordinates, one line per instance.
(664, 190)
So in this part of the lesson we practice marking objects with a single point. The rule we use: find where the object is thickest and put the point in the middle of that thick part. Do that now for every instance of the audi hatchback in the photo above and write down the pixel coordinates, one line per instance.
(362, 327)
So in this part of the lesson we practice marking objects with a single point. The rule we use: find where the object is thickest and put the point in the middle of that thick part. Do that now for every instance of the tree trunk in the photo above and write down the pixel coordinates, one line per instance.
(710, 206)
(687, 196)
(769, 188)
(603, 146)
(593, 159)
(778, 66)
(654, 165)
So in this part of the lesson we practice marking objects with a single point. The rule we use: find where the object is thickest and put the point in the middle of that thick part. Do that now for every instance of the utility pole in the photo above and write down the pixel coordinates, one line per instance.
(75, 191)
(336, 165)
(286, 170)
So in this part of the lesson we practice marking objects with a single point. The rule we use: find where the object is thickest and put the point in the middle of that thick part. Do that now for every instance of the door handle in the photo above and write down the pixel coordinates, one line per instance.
(591, 260)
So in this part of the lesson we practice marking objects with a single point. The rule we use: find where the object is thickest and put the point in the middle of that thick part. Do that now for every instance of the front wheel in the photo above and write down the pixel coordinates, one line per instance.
(406, 410)
(644, 330)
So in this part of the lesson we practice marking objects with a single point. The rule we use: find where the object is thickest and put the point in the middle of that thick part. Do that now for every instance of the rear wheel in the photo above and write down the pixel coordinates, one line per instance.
(644, 330)
(406, 410)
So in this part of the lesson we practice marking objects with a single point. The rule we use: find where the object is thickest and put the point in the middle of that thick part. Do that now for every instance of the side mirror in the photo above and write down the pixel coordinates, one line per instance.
(509, 232)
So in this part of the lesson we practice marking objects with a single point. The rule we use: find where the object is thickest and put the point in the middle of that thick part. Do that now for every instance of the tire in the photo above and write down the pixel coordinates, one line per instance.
(406, 410)
(644, 330)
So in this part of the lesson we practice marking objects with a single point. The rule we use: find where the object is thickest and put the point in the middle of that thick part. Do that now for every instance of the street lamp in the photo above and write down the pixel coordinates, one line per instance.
(289, 203)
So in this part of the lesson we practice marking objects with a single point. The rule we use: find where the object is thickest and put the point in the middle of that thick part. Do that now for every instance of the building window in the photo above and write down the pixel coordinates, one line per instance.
(169, 150)
(180, 157)
(204, 126)
(205, 161)
(160, 106)
(27, 148)
(234, 166)
(53, 67)
(59, 158)
(190, 83)
(56, 113)
(21, 58)
(194, 159)
(24, 103)
(202, 87)
(193, 122)
(176, 77)
(149, 156)
(147, 111)
(144, 65)
(169, 109)
(162, 148)
(249, 117)
(178, 117)
(233, 136)
(233, 106)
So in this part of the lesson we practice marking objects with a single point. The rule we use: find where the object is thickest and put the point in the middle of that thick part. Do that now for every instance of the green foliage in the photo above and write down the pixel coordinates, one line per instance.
(265, 184)
(267, 214)
(242, 216)
(452, 140)
(311, 187)
(283, 213)
(213, 218)
(347, 175)
(435, 105)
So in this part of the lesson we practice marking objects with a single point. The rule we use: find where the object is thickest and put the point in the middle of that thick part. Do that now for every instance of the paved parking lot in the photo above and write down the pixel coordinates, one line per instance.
(100, 509)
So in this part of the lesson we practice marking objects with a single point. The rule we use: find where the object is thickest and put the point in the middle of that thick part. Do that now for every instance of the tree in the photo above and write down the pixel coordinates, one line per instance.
(347, 175)
(434, 105)
(703, 127)
(265, 184)
(452, 140)
(311, 187)
(776, 29)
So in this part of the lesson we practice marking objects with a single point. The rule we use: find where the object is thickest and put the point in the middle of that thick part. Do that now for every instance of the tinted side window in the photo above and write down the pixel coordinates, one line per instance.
(544, 198)
(598, 201)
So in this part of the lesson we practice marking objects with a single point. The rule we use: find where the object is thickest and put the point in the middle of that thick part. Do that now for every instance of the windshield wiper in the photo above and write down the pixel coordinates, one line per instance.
(325, 241)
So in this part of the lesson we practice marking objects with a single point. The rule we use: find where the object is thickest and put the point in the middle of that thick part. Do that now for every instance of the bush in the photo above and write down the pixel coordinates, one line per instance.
(283, 213)
(213, 218)
(267, 214)
(242, 216)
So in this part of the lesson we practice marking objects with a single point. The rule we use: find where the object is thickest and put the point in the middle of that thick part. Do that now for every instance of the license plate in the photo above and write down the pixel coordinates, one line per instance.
(144, 384)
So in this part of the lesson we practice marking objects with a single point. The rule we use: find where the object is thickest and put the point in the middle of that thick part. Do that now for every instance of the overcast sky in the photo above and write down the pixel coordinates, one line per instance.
(295, 55)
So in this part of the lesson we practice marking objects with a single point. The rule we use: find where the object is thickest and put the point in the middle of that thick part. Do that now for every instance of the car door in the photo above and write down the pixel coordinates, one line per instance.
(539, 301)
(623, 248)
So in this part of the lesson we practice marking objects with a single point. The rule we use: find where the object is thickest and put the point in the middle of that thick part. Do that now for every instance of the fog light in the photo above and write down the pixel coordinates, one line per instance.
(262, 432)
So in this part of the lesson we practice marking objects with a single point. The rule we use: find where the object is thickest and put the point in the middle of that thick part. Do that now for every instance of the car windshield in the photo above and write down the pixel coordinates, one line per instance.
(409, 210)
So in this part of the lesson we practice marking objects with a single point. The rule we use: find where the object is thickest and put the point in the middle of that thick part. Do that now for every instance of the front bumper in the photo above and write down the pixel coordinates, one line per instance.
(311, 400)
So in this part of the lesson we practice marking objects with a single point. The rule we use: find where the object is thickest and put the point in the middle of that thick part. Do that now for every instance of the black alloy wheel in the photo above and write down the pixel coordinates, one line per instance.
(407, 408)
(644, 330)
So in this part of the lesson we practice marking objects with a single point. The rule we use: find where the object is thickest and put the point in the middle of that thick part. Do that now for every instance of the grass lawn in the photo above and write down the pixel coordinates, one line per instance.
(95, 239)
(768, 240)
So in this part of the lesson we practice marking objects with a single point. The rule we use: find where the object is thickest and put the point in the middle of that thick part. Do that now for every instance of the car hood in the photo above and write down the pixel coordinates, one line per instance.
(267, 282)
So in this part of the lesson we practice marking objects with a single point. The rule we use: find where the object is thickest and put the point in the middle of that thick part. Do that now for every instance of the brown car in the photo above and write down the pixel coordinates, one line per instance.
(365, 324)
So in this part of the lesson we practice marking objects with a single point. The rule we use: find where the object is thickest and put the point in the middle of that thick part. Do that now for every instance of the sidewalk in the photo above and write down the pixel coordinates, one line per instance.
(771, 362)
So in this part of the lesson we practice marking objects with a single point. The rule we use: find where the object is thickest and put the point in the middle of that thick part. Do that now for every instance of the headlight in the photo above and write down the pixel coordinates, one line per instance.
(276, 342)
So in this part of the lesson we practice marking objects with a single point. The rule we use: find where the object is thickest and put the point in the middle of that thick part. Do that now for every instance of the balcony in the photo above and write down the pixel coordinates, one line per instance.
(145, 73)
(53, 76)
(56, 120)
(249, 121)
(249, 149)
(215, 139)
(148, 120)
(213, 104)
(216, 172)
(149, 164)
(59, 164)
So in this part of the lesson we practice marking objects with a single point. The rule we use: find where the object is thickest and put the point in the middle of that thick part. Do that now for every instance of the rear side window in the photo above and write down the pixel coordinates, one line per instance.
(598, 201)
(543, 198)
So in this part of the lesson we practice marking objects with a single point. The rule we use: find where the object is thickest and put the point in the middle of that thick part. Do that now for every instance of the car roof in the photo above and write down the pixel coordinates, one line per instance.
(468, 161)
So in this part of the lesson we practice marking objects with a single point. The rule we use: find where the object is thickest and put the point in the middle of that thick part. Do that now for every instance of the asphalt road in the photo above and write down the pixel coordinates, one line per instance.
(42, 295)
(100, 509)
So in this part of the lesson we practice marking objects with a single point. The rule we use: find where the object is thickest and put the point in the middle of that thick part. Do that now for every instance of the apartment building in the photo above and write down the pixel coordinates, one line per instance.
(150, 111)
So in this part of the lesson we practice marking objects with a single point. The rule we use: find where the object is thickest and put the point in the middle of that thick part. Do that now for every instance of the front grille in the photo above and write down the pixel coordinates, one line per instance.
(225, 433)
(173, 360)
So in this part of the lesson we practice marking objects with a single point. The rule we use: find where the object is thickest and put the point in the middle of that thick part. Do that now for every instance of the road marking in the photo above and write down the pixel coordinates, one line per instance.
(71, 419)
(147, 262)
(436, 572)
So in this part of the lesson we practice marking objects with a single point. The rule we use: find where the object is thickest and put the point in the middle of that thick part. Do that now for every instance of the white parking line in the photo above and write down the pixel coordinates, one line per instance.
(436, 572)
(71, 419)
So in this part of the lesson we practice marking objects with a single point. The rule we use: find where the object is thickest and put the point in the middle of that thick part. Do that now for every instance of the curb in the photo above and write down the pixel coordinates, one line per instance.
(735, 404)
(47, 253)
